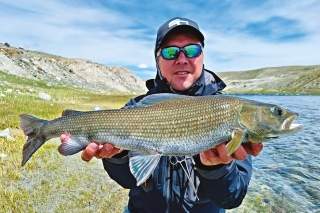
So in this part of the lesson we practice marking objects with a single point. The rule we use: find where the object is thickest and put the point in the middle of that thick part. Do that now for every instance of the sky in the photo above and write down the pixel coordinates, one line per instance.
(239, 35)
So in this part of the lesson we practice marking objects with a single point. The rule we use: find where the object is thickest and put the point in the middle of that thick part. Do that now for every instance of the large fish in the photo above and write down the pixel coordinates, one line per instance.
(164, 124)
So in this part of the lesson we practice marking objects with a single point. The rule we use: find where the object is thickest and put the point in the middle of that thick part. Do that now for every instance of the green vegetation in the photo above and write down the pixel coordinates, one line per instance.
(53, 183)
(274, 80)
(25, 101)
(50, 182)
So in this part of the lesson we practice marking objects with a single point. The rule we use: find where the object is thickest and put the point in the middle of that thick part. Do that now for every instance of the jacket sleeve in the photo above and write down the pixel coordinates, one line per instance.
(118, 170)
(227, 185)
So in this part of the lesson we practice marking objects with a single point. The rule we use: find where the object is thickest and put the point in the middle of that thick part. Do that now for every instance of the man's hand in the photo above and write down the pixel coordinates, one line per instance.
(218, 155)
(95, 150)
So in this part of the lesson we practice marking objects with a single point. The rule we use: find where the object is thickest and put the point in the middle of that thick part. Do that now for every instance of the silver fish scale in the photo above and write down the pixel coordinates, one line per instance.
(173, 127)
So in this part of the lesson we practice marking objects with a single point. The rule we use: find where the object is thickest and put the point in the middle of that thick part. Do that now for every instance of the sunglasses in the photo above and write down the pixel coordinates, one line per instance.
(173, 52)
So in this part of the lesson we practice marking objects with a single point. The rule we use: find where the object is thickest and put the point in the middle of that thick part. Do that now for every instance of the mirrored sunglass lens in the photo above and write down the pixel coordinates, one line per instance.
(170, 52)
(192, 50)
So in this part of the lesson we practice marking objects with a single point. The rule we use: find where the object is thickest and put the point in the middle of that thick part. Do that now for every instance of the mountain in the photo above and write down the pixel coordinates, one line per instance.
(274, 80)
(56, 70)
(82, 73)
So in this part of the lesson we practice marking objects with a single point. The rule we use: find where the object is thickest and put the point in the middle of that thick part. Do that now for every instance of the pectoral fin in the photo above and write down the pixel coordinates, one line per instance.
(142, 165)
(238, 136)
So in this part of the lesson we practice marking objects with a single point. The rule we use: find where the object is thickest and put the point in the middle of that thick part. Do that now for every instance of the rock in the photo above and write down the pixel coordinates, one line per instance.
(2, 95)
(6, 134)
(3, 156)
(6, 44)
(77, 73)
(44, 96)
(8, 91)
(25, 60)
(96, 107)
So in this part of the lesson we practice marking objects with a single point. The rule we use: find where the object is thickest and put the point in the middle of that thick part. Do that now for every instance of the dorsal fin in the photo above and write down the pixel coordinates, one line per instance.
(157, 98)
(67, 112)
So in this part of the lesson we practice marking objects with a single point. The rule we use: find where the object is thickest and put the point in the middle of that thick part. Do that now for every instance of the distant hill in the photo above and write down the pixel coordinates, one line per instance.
(82, 73)
(274, 80)
(56, 70)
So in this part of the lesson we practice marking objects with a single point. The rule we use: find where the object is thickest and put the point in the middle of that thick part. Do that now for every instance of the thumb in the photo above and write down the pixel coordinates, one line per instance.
(90, 151)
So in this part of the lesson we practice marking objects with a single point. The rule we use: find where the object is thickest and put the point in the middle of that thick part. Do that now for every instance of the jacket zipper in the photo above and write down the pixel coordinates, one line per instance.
(168, 185)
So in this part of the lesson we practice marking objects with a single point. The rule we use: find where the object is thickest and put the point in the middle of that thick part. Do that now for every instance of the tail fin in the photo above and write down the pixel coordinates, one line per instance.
(31, 127)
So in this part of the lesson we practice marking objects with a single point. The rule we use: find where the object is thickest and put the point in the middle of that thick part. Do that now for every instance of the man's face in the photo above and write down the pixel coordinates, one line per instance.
(182, 72)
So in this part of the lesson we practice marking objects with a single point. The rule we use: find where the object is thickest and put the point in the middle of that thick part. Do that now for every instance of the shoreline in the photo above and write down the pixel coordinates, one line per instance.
(274, 94)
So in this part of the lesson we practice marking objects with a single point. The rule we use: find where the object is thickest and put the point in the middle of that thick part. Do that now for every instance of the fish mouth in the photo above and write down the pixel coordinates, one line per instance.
(288, 124)
(287, 128)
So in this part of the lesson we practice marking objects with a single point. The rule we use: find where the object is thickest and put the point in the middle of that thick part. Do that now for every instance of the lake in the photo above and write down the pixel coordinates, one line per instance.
(286, 174)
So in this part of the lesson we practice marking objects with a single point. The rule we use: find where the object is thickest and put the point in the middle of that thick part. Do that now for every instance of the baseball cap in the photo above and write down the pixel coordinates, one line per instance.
(176, 25)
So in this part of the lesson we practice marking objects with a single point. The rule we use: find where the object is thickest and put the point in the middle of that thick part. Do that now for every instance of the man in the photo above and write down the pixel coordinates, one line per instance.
(215, 181)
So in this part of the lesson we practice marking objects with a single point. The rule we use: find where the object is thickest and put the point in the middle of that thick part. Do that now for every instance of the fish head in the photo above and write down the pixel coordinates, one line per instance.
(264, 122)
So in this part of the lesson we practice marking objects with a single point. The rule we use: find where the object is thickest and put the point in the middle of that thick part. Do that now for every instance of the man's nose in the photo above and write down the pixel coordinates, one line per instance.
(182, 59)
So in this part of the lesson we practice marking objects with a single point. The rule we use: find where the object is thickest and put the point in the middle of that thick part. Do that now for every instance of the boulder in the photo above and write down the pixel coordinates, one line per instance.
(44, 96)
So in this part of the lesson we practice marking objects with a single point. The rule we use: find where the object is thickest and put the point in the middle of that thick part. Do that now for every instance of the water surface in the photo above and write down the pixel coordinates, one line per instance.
(286, 175)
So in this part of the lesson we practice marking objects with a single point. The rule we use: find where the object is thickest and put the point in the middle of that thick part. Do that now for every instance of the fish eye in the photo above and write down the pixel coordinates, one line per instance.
(279, 111)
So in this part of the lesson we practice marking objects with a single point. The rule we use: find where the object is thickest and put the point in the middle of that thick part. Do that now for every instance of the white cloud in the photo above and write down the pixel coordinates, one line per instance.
(123, 34)
(234, 50)
(143, 66)
(99, 34)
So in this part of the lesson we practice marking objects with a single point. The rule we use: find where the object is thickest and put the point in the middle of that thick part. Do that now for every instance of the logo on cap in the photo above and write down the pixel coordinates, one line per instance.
(177, 22)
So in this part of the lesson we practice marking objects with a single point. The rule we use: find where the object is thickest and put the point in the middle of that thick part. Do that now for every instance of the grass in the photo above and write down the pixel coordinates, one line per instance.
(21, 100)
(50, 182)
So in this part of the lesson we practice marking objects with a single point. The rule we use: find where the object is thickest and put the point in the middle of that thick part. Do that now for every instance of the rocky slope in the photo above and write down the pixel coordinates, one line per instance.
(57, 70)
(83, 73)
(276, 80)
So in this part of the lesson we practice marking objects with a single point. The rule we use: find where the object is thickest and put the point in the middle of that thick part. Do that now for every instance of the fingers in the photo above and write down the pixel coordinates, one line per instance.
(64, 137)
(223, 154)
(90, 151)
(240, 154)
(218, 155)
(209, 157)
(253, 148)
(107, 151)
(94, 150)
(215, 156)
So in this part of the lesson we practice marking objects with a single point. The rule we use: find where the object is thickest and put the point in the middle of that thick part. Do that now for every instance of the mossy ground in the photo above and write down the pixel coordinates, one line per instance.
(50, 182)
